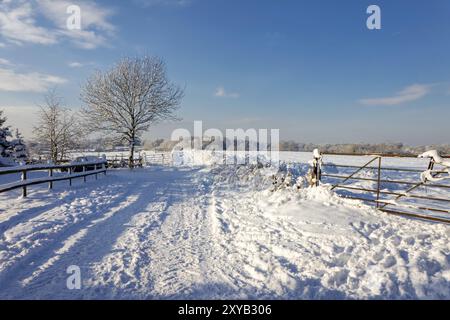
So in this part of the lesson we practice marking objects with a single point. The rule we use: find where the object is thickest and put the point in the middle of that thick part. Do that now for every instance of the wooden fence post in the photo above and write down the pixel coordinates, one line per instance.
(95, 168)
(84, 171)
(24, 188)
(317, 170)
(50, 174)
(70, 174)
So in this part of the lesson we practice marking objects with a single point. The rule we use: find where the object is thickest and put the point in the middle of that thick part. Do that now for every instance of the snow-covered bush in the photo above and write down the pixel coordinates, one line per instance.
(5, 133)
(5, 144)
(12, 151)
(18, 148)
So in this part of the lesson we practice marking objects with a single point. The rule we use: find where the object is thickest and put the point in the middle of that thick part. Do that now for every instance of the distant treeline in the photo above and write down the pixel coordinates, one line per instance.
(364, 148)
(350, 148)
(103, 145)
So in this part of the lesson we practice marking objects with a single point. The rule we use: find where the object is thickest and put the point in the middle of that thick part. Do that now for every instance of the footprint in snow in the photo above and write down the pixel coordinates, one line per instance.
(390, 261)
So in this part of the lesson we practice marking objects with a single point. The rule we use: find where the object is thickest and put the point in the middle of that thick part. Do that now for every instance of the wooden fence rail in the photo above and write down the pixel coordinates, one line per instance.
(86, 168)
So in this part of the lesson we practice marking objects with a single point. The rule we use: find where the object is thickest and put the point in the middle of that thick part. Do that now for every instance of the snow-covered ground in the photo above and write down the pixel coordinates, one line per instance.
(213, 232)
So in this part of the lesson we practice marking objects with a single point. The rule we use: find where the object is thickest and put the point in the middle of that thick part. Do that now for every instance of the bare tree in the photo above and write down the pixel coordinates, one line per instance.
(58, 128)
(126, 100)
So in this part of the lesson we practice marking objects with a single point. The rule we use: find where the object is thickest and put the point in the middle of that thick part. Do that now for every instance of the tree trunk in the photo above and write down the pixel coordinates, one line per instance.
(54, 156)
(131, 159)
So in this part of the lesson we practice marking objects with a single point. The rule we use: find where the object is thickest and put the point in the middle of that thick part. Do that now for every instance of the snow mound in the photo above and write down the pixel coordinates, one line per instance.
(309, 243)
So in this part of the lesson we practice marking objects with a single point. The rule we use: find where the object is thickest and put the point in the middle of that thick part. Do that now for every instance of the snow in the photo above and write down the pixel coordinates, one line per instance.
(214, 232)
(435, 156)
(403, 204)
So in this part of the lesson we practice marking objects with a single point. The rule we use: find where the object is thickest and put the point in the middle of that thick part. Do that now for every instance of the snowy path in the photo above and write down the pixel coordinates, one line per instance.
(38, 244)
(165, 233)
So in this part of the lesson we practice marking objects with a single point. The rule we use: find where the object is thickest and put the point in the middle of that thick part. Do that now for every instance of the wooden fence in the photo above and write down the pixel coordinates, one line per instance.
(69, 172)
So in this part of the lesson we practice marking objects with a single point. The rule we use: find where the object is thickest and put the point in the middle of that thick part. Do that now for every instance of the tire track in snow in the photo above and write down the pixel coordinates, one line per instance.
(181, 249)
(78, 244)
(174, 257)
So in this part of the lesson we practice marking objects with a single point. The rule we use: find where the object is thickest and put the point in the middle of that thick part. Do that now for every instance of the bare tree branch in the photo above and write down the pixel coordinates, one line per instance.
(128, 99)
(57, 129)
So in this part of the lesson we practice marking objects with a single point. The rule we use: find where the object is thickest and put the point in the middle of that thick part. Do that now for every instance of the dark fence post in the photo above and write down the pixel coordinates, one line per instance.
(316, 172)
(84, 171)
(317, 166)
(431, 164)
(319, 173)
(50, 174)
(379, 182)
(70, 174)
(24, 188)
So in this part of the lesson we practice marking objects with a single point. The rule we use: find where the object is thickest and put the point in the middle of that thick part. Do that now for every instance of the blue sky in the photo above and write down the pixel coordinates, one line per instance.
(310, 68)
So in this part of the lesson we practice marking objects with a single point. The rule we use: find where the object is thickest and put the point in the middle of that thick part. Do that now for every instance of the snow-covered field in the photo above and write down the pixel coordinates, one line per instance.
(213, 232)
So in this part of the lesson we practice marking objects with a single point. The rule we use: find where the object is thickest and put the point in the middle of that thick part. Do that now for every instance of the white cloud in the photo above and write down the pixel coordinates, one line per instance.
(13, 81)
(92, 15)
(154, 3)
(75, 64)
(78, 64)
(86, 39)
(222, 93)
(19, 23)
(95, 27)
(408, 94)
(5, 62)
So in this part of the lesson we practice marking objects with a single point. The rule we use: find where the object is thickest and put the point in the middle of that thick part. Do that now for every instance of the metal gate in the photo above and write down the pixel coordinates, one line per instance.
(392, 190)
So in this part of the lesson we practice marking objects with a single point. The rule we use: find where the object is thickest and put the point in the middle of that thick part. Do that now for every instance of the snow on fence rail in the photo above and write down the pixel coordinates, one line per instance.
(85, 169)
(380, 192)
(140, 159)
(162, 158)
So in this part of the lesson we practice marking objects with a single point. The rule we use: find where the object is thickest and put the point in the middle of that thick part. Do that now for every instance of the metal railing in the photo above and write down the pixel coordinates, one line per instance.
(421, 210)
(70, 172)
